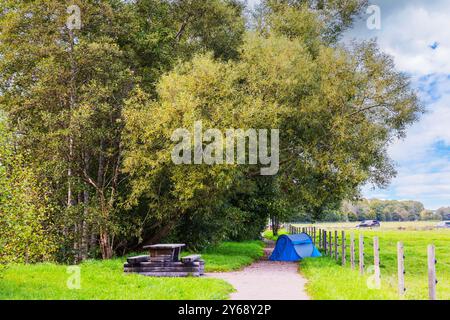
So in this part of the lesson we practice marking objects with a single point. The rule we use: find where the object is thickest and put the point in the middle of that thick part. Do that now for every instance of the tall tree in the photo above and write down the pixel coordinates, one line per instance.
(63, 90)
(337, 112)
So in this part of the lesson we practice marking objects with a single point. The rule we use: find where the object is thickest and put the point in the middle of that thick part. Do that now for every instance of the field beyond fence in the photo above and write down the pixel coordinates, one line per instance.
(398, 260)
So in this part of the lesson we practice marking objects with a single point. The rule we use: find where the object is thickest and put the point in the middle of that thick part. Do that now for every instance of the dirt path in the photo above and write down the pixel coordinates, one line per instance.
(266, 280)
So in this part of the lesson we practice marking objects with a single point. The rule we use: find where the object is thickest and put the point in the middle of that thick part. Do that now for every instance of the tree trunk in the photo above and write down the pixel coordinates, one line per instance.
(158, 236)
(84, 226)
(105, 245)
(72, 102)
(275, 226)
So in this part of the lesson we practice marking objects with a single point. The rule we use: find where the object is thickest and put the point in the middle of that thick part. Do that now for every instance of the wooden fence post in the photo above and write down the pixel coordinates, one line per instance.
(314, 235)
(330, 244)
(324, 237)
(432, 272)
(361, 254)
(320, 238)
(401, 269)
(343, 256)
(376, 261)
(352, 250)
(323, 240)
(336, 243)
(322, 244)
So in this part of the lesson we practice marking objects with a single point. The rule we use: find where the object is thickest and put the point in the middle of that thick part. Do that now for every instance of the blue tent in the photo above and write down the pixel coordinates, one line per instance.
(294, 247)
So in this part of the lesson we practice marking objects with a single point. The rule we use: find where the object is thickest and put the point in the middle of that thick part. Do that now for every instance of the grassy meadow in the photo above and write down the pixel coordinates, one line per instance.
(105, 280)
(329, 280)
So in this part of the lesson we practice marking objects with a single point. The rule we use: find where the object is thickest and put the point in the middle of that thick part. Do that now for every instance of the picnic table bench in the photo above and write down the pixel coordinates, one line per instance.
(164, 260)
(191, 258)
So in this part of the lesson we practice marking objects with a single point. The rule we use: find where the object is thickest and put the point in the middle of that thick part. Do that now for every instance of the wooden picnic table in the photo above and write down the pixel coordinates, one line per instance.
(164, 261)
(165, 252)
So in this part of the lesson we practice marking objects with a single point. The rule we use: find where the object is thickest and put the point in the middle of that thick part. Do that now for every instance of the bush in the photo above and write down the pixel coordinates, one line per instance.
(24, 235)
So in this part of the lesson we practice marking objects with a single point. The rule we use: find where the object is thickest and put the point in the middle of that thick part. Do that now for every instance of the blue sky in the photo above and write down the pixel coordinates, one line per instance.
(417, 34)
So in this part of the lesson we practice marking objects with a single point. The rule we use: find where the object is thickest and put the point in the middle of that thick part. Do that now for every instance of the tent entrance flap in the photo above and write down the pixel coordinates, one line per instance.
(294, 248)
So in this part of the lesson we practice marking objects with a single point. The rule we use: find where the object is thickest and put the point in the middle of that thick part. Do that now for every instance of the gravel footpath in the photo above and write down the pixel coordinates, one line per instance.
(266, 280)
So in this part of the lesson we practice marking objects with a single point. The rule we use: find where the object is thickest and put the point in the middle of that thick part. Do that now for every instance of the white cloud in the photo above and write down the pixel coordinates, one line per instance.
(433, 127)
(408, 29)
(408, 36)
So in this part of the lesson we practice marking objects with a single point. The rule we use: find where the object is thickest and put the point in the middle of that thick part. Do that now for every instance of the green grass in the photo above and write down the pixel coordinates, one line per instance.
(230, 256)
(268, 234)
(328, 280)
(105, 280)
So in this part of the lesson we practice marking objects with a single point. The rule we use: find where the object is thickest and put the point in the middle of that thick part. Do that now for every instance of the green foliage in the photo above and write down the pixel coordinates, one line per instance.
(329, 281)
(24, 211)
(158, 33)
(309, 19)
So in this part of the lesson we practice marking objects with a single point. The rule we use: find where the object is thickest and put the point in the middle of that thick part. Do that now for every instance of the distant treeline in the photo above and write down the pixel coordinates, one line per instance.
(386, 210)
